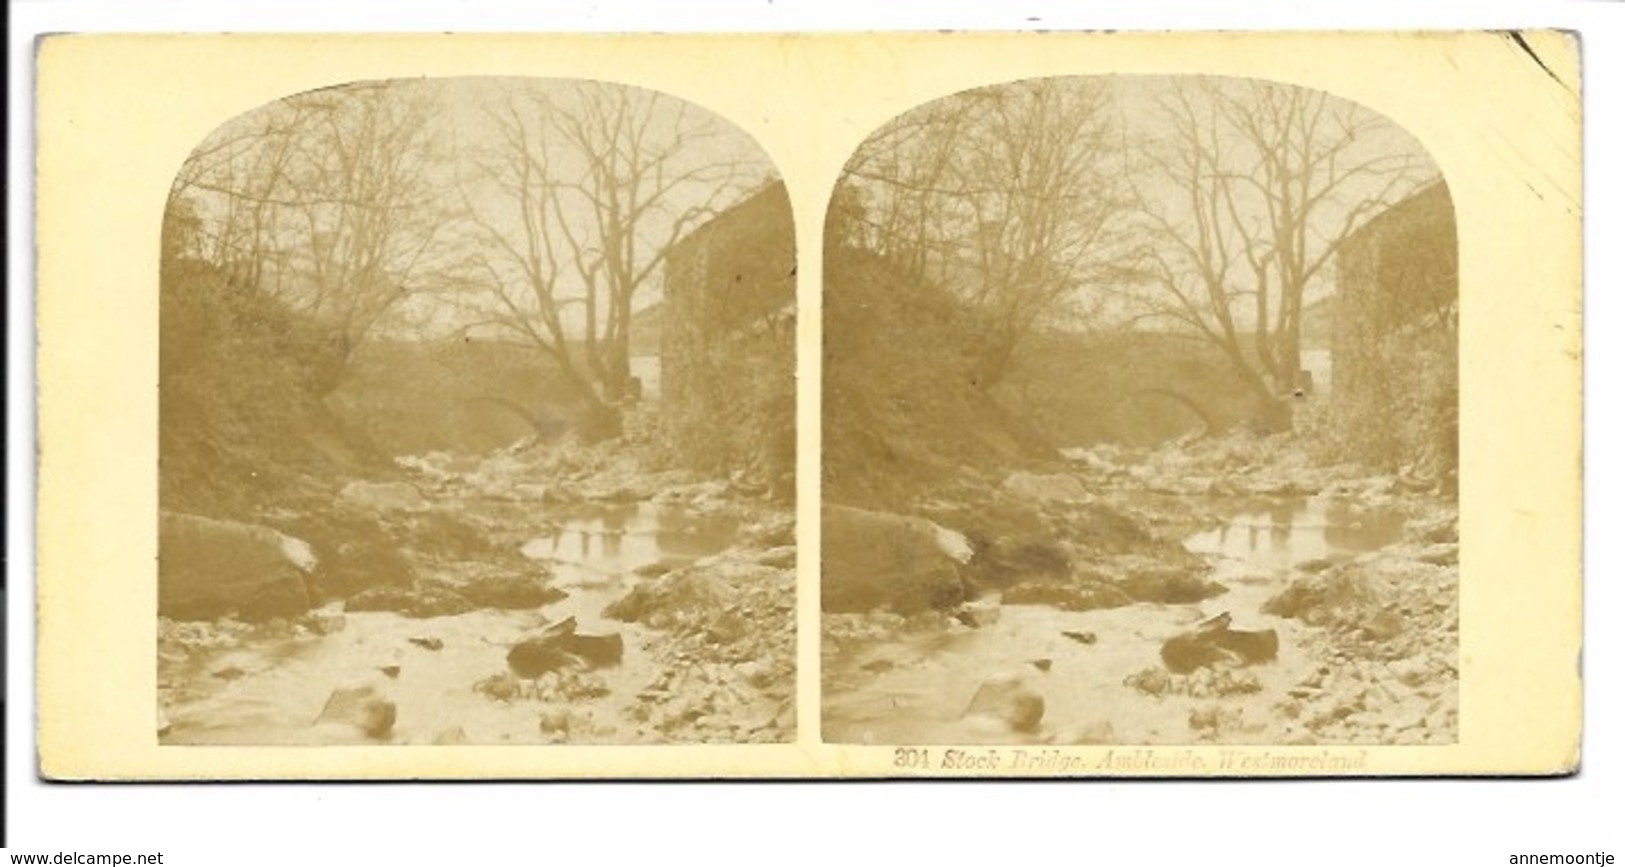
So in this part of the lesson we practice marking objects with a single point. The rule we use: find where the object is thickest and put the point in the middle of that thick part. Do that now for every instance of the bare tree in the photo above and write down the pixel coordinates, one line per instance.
(382, 204)
(1010, 195)
(331, 201)
(1248, 191)
(224, 205)
(575, 208)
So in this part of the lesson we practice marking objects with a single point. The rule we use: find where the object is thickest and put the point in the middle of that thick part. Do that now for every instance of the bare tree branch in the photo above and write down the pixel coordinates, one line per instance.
(1266, 181)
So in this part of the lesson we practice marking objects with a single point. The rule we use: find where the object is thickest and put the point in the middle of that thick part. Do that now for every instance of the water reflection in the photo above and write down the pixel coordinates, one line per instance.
(1281, 533)
(616, 539)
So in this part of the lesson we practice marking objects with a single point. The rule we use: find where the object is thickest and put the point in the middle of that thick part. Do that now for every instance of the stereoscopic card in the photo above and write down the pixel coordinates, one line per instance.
(867, 405)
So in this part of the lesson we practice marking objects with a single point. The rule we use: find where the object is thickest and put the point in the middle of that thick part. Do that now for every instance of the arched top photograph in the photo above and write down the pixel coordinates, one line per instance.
(1159, 376)
(475, 395)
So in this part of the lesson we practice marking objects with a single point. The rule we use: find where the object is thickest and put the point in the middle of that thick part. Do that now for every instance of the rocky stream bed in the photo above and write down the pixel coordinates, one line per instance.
(651, 608)
(1225, 591)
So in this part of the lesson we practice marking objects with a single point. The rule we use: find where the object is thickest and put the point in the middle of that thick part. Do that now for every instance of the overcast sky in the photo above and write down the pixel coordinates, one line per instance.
(465, 132)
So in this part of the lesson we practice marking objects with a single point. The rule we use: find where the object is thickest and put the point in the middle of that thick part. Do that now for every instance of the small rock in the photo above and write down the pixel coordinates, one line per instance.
(726, 628)
(554, 721)
(1080, 637)
(1010, 701)
(1200, 683)
(1382, 626)
(428, 643)
(501, 687)
(578, 686)
(1295, 737)
(655, 569)
(324, 622)
(364, 707)
(1439, 530)
(1151, 681)
(454, 736)
(1444, 554)
(1213, 718)
(1228, 683)
(1092, 734)
(750, 671)
(782, 557)
(982, 612)
(1412, 673)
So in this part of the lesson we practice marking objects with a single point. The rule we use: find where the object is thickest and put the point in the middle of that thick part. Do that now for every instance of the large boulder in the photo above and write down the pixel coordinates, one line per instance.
(1212, 644)
(209, 568)
(558, 649)
(1102, 529)
(675, 597)
(356, 549)
(596, 650)
(1168, 584)
(510, 592)
(1000, 563)
(1336, 597)
(877, 559)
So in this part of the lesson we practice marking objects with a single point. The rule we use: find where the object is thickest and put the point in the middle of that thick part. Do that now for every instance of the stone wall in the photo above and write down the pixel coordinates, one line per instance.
(1394, 356)
(728, 345)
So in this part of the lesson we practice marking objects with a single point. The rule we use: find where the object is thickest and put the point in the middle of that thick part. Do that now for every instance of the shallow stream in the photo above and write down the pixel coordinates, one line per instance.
(916, 688)
(271, 688)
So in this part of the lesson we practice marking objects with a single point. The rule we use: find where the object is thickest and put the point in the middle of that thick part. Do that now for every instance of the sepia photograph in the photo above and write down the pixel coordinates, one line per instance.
(1140, 422)
(1166, 446)
(476, 422)
(442, 407)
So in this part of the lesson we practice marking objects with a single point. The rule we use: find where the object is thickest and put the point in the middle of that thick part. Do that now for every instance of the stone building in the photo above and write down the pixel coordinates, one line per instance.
(1394, 358)
(727, 352)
